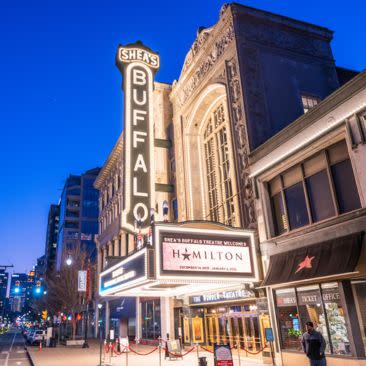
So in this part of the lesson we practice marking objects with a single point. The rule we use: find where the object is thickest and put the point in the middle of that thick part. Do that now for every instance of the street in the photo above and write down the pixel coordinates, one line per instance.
(12, 350)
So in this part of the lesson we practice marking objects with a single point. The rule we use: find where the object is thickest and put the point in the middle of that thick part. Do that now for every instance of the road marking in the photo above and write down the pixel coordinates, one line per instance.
(21, 351)
(11, 347)
(4, 352)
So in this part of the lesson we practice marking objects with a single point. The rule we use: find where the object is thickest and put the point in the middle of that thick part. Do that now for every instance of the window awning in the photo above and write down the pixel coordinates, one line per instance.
(327, 258)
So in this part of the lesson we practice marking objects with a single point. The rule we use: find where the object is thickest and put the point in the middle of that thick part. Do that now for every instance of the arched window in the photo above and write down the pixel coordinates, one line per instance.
(217, 162)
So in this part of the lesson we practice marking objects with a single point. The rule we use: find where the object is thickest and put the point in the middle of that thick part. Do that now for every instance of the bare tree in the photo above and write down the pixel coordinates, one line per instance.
(62, 288)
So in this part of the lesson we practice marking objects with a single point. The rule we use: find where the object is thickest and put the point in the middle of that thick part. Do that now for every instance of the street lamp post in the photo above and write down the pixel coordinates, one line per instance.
(86, 316)
(100, 334)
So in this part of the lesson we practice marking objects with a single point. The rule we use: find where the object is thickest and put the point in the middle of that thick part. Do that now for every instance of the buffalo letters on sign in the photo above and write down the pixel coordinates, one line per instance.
(138, 65)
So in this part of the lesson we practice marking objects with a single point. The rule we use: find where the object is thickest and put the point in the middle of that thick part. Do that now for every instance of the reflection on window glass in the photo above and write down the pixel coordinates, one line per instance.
(279, 214)
(311, 309)
(336, 319)
(345, 186)
(320, 198)
(296, 206)
(288, 318)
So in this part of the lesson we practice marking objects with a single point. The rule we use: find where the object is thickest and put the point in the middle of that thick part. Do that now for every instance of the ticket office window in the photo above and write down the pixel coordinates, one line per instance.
(320, 304)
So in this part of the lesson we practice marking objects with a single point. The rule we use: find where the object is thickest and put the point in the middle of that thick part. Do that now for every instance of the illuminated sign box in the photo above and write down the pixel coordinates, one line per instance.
(138, 65)
(228, 296)
(195, 253)
(129, 272)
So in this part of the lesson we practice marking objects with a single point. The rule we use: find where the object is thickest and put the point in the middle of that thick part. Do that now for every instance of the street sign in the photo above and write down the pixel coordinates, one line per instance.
(82, 278)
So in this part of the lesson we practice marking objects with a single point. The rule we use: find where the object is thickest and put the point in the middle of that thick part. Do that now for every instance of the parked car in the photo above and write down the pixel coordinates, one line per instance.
(38, 336)
(29, 335)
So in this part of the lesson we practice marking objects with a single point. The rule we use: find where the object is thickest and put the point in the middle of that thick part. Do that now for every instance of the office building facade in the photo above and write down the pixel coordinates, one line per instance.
(78, 219)
(51, 239)
(4, 279)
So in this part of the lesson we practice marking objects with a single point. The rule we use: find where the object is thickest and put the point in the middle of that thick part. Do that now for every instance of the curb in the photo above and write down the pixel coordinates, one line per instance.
(30, 357)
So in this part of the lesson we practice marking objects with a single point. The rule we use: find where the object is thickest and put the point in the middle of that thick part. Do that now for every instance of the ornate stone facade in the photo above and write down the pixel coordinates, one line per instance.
(238, 122)
(213, 59)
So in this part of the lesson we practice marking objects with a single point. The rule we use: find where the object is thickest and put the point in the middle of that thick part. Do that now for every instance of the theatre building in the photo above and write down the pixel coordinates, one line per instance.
(214, 186)
(311, 180)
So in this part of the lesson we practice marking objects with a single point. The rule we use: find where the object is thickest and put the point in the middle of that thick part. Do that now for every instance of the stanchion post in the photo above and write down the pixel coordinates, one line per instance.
(238, 347)
(111, 352)
(159, 351)
(272, 353)
(127, 350)
(198, 353)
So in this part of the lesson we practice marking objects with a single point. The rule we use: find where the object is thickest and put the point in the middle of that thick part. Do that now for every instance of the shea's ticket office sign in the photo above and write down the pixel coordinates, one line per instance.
(138, 65)
(194, 253)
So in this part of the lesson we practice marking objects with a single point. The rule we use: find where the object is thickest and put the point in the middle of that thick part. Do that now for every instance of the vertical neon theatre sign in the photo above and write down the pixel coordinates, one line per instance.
(138, 65)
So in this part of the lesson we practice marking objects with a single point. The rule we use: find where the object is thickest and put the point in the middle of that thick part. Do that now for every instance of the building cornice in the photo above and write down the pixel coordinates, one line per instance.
(110, 163)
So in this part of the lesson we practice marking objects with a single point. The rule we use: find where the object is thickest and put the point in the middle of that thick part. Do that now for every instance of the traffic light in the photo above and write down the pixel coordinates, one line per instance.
(44, 314)
(38, 288)
(17, 289)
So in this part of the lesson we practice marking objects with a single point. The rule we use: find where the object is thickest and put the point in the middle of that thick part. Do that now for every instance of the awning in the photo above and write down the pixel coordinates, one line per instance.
(327, 258)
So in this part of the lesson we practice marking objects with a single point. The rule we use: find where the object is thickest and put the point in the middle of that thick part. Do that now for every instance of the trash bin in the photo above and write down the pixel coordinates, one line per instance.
(53, 342)
(202, 361)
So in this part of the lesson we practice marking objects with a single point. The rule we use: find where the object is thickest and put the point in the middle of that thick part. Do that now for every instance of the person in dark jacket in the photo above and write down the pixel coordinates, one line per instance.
(313, 344)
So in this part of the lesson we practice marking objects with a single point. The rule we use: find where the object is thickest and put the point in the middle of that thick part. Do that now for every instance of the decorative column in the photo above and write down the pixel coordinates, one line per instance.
(166, 317)
(107, 315)
(138, 318)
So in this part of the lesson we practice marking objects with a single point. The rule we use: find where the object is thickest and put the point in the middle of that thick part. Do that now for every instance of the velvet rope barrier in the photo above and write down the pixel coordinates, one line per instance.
(206, 349)
(254, 353)
(235, 347)
(179, 354)
(142, 354)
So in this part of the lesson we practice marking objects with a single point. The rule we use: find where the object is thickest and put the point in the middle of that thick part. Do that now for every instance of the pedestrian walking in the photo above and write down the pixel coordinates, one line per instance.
(313, 344)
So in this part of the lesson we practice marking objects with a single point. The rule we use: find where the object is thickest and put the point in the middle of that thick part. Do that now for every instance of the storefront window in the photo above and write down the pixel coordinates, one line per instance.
(318, 304)
(288, 319)
(336, 319)
(311, 309)
(359, 288)
(150, 311)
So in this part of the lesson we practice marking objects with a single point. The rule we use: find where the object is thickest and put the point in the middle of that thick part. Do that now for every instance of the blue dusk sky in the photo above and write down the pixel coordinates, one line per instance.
(60, 95)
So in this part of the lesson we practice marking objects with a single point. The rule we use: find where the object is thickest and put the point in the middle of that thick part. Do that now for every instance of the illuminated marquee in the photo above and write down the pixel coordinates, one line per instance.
(195, 253)
(124, 274)
(138, 65)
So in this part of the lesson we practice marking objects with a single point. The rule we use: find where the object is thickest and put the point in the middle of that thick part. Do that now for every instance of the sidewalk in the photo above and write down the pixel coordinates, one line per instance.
(72, 356)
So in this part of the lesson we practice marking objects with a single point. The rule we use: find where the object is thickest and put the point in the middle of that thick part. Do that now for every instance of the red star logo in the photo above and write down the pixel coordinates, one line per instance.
(306, 263)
